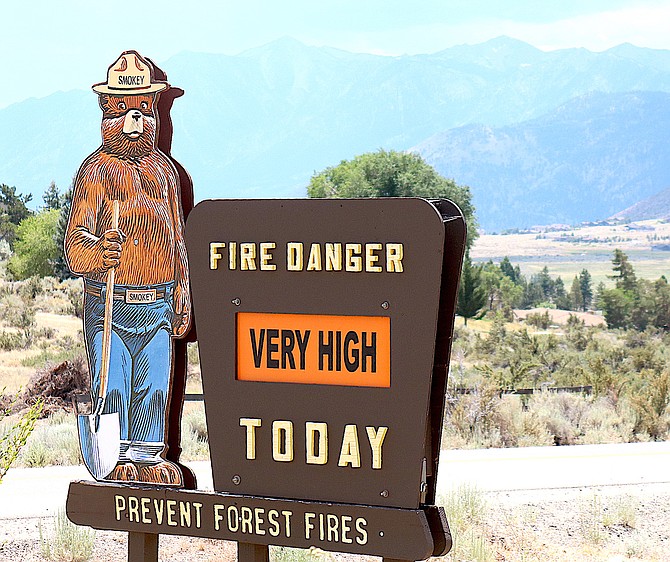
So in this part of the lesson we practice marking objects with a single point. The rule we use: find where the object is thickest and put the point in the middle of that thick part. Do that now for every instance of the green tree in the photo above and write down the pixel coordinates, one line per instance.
(511, 294)
(12, 211)
(617, 305)
(52, 197)
(624, 274)
(35, 249)
(533, 293)
(576, 295)
(547, 284)
(561, 298)
(471, 293)
(643, 310)
(60, 266)
(514, 273)
(586, 289)
(502, 294)
(392, 174)
(662, 303)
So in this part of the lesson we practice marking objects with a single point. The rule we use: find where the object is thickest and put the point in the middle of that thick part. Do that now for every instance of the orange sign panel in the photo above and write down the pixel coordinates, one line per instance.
(314, 349)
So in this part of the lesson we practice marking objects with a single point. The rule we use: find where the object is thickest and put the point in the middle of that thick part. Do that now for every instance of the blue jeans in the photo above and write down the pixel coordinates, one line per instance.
(139, 368)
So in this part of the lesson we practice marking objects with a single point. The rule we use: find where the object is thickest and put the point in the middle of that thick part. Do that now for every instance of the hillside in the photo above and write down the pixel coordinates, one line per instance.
(655, 207)
(586, 160)
(260, 123)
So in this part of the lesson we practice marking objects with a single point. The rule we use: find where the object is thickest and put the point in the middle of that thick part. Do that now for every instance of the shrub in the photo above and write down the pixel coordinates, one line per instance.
(560, 413)
(194, 440)
(58, 385)
(519, 426)
(11, 340)
(35, 248)
(604, 421)
(651, 403)
(67, 541)
(54, 441)
(541, 320)
(75, 295)
(19, 313)
(471, 418)
(466, 511)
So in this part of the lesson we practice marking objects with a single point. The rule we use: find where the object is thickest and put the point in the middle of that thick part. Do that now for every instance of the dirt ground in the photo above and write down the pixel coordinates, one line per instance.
(567, 525)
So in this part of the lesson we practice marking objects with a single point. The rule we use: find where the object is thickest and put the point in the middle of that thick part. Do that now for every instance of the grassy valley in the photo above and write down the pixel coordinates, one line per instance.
(567, 250)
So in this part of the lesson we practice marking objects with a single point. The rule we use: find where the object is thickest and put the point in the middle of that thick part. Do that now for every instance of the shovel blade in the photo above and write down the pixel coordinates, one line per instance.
(100, 442)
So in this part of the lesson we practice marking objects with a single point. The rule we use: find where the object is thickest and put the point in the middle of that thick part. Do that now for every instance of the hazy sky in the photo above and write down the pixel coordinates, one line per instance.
(48, 45)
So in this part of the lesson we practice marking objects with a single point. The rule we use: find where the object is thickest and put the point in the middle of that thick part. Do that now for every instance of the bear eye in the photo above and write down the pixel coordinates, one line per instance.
(144, 105)
(122, 105)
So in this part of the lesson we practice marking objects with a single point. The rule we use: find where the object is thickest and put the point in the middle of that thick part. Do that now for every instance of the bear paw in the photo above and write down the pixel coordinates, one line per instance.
(124, 472)
(164, 472)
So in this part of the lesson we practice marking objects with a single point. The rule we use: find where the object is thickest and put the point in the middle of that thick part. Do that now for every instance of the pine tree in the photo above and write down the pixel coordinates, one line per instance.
(471, 293)
(576, 295)
(52, 197)
(61, 268)
(506, 267)
(12, 211)
(586, 288)
(625, 275)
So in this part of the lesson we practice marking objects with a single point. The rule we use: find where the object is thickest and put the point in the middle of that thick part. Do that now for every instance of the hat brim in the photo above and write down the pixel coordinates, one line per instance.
(151, 89)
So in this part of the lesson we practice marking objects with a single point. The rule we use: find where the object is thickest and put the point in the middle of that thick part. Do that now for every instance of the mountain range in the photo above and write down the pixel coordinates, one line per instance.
(587, 159)
(260, 123)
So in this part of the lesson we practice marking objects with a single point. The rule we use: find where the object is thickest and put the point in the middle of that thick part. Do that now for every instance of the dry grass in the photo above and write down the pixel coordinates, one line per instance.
(586, 527)
(485, 419)
(56, 336)
(568, 241)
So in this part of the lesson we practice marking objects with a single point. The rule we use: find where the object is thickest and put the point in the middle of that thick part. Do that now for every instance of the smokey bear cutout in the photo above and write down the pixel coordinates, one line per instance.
(125, 238)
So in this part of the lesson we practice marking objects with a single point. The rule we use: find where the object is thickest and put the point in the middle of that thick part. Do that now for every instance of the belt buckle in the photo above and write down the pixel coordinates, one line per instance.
(140, 296)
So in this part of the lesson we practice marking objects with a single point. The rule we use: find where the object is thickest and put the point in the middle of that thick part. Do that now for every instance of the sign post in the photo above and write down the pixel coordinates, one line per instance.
(324, 330)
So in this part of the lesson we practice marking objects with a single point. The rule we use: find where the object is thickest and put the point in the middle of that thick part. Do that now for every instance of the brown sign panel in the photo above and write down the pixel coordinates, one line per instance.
(317, 324)
(403, 534)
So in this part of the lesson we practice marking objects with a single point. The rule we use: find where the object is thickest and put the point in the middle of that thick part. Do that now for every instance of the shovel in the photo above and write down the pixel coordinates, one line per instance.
(100, 434)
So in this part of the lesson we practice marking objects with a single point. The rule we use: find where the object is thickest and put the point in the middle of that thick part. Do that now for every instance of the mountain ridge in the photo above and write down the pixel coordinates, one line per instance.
(260, 123)
(585, 160)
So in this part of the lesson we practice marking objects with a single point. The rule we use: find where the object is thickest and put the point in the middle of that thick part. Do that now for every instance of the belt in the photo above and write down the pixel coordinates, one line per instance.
(131, 296)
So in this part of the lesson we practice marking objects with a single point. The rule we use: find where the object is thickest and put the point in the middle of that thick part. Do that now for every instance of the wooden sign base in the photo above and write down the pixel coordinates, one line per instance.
(145, 512)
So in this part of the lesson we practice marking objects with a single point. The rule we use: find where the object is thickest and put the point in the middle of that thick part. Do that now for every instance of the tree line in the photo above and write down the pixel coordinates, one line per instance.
(35, 241)
(632, 303)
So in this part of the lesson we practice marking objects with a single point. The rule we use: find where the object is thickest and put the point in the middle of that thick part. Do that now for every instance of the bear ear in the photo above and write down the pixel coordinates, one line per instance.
(103, 100)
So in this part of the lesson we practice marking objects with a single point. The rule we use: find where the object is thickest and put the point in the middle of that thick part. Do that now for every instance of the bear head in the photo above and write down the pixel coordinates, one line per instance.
(128, 124)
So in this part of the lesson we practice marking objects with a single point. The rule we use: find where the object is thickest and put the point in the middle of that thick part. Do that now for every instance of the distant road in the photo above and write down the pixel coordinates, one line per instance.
(537, 468)
(39, 492)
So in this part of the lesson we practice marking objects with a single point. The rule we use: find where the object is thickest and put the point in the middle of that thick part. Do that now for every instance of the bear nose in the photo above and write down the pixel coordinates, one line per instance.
(136, 115)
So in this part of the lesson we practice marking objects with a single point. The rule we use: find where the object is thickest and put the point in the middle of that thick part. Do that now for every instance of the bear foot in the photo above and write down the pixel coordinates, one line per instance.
(164, 472)
(124, 472)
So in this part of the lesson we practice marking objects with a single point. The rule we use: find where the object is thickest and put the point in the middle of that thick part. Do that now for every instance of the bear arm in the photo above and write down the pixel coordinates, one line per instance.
(182, 288)
(83, 250)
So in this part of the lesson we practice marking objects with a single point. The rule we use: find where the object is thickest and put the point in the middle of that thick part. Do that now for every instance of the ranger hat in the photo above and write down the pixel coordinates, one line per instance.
(130, 74)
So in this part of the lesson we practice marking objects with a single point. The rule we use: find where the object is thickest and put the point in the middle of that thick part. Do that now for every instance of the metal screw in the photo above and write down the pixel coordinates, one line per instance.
(237, 480)
(385, 305)
(236, 301)
(384, 493)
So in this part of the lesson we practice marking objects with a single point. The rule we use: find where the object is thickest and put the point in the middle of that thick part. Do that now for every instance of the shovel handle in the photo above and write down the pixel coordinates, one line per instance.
(107, 321)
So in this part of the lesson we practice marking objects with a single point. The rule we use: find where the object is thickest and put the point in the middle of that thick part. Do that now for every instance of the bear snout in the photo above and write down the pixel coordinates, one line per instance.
(133, 123)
